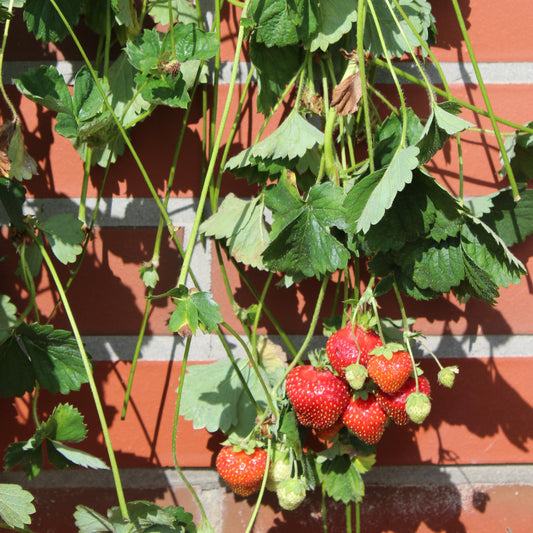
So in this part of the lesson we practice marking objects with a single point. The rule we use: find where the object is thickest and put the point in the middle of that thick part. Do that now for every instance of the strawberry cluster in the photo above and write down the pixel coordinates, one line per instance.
(325, 400)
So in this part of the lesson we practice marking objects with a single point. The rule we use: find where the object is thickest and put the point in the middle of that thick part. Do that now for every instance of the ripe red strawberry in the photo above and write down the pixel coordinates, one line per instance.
(329, 432)
(394, 404)
(343, 347)
(318, 396)
(390, 370)
(366, 419)
(243, 472)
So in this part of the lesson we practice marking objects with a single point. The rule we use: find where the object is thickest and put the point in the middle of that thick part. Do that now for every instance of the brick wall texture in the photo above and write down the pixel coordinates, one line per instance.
(467, 468)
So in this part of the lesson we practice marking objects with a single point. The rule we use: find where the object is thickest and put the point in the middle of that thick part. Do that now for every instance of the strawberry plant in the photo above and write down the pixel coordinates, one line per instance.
(340, 200)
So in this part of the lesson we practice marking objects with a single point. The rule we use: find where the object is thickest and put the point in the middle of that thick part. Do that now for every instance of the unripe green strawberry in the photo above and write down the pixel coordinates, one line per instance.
(446, 375)
(243, 472)
(356, 375)
(279, 471)
(418, 406)
(291, 493)
(394, 403)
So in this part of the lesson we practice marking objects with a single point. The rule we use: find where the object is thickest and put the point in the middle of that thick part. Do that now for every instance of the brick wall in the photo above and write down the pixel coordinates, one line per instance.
(467, 468)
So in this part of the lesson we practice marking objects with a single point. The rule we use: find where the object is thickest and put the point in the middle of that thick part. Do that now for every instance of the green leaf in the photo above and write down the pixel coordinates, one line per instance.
(302, 243)
(241, 224)
(65, 236)
(87, 101)
(44, 21)
(12, 197)
(291, 140)
(45, 86)
(183, 10)
(512, 221)
(15, 505)
(341, 480)
(192, 43)
(275, 66)
(89, 521)
(335, 19)
(488, 251)
(16, 373)
(166, 90)
(441, 124)
(144, 53)
(281, 23)
(122, 10)
(369, 199)
(519, 148)
(26, 454)
(431, 265)
(8, 317)
(55, 357)
(23, 166)
(65, 424)
(77, 457)
(419, 14)
(125, 100)
(214, 397)
(193, 310)
(480, 284)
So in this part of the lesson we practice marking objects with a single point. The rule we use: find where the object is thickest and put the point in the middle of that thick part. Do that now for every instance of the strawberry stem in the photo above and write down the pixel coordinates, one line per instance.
(261, 490)
(406, 339)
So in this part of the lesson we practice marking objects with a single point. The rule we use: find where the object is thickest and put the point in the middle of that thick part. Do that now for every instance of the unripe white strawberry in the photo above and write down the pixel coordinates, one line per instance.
(446, 375)
(291, 493)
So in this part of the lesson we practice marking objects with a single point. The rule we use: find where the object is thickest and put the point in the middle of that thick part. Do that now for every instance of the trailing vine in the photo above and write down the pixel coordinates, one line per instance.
(342, 194)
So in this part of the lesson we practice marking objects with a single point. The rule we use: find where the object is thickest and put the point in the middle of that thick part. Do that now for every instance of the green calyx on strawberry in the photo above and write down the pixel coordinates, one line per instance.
(366, 419)
(394, 403)
(446, 376)
(417, 407)
(389, 367)
(351, 345)
(243, 472)
(291, 493)
(318, 396)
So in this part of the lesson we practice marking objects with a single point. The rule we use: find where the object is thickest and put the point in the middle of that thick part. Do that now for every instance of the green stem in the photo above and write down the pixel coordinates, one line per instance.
(268, 313)
(361, 18)
(2, 52)
(411, 51)
(34, 411)
(261, 491)
(310, 332)
(462, 103)
(119, 125)
(238, 370)
(175, 430)
(140, 337)
(213, 159)
(85, 185)
(348, 508)
(406, 338)
(357, 517)
(486, 99)
(324, 510)
(90, 378)
(157, 248)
